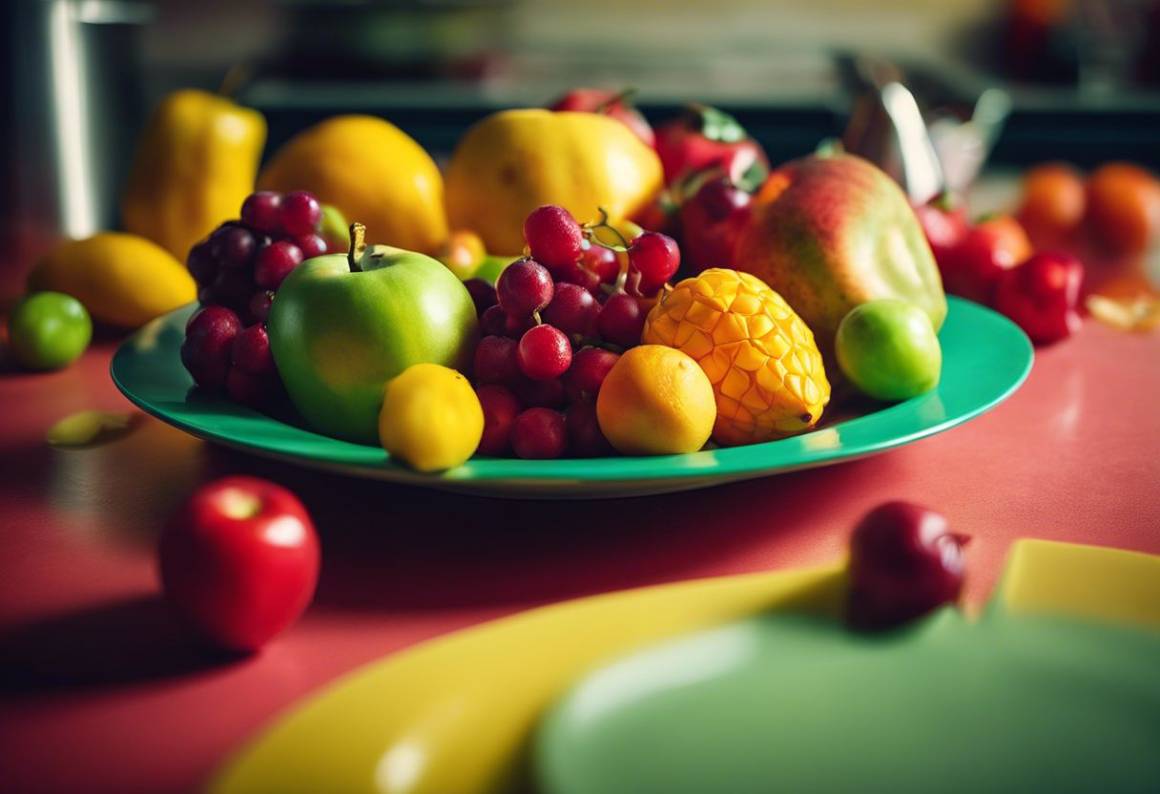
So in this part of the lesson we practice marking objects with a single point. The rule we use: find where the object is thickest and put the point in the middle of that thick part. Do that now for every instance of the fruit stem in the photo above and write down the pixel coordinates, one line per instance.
(624, 96)
(604, 224)
(358, 244)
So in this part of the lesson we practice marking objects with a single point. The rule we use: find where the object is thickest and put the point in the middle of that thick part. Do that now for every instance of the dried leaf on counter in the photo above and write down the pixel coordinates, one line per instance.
(89, 428)
(1139, 313)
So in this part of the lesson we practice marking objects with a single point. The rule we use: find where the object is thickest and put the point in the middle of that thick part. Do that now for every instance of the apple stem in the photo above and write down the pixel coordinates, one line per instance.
(358, 244)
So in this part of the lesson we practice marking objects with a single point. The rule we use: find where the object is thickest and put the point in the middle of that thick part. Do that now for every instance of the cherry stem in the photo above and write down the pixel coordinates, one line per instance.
(604, 224)
(358, 244)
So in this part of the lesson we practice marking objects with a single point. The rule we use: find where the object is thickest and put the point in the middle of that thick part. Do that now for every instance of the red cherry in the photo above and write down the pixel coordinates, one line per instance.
(576, 273)
(256, 391)
(500, 408)
(585, 438)
(590, 366)
(209, 340)
(712, 222)
(553, 235)
(251, 351)
(299, 214)
(260, 211)
(260, 303)
(493, 322)
(601, 261)
(311, 245)
(621, 320)
(482, 294)
(544, 352)
(201, 264)
(239, 561)
(539, 433)
(232, 245)
(904, 562)
(495, 360)
(540, 393)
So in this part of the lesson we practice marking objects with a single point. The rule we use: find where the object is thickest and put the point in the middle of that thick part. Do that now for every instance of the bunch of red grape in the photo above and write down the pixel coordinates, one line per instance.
(553, 327)
(238, 269)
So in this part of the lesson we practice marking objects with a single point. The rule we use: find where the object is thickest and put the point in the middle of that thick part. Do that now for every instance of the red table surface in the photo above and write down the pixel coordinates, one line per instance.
(101, 693)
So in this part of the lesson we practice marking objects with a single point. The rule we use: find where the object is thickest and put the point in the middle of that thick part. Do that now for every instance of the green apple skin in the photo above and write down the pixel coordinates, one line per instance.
(339, 335)
(889, 350)
(49, 330)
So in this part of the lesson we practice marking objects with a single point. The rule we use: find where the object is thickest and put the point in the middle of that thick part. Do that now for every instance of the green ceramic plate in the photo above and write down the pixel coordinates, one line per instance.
(985, 358)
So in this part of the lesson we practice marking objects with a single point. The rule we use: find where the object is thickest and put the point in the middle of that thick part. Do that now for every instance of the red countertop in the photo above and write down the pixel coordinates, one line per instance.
(100, 692)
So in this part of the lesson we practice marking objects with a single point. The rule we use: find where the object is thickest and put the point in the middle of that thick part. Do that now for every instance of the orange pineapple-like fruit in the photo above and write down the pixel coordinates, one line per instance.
(766, 371)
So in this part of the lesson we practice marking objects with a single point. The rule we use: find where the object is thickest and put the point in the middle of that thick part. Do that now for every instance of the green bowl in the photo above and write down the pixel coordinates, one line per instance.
(985, 359)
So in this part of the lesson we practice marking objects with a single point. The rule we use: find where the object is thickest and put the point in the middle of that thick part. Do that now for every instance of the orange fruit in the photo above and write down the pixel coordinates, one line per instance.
(655, 401)
(1123, 207)
(1053, 202)
(760, 357)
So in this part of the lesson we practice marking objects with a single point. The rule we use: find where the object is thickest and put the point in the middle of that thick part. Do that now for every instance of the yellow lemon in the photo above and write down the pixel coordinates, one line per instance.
(656, 401)
(431, 419)
(373, 172)
(759, 355)
(516, 160)
(122, 279)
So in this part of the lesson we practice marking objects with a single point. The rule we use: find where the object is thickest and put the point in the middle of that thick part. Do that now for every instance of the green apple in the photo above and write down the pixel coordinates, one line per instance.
(342, 325)
(889, 350)
(49, 330)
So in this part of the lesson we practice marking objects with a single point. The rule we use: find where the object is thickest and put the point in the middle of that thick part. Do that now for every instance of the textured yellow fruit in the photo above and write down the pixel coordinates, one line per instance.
(194, 166)
(373, 172)
(431, 419)
(766, 371)
(655, 401)
(516, 160)
(122, 279)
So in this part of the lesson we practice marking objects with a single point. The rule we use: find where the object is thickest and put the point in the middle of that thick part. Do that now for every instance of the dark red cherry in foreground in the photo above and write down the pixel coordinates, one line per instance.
(539, 433)
(208, 346)
(525, 286)
(239, 561)
(904, 562)
(544, 352)
(553, 236)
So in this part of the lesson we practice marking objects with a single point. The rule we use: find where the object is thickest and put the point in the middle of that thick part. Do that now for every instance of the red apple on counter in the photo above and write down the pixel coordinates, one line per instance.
(239, 561)
(614, 104)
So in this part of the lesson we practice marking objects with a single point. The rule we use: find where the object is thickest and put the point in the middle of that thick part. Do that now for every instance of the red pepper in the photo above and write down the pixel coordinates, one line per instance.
(705, 137)
(1042, 296)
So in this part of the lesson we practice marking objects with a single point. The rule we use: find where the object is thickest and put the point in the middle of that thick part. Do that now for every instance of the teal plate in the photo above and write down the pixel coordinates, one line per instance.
(985, 359)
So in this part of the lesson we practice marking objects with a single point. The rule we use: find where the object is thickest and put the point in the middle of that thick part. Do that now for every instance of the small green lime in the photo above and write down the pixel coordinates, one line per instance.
(889, 350)
(49, 330)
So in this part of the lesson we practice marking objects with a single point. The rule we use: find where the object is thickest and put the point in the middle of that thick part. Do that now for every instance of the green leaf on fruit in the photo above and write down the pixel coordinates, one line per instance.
(753, 177)
(717, 125)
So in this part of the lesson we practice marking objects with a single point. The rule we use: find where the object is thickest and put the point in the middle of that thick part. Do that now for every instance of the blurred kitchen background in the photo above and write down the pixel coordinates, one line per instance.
(1077, 80)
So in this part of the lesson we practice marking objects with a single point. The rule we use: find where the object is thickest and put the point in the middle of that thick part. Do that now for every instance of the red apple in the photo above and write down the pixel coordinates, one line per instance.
(972, 269)
(944, 222)
(614, 104)
(711, 223)
(239, 561)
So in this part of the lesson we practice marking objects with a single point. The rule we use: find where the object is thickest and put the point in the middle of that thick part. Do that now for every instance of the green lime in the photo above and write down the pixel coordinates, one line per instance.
(889, 350)
(49, 330)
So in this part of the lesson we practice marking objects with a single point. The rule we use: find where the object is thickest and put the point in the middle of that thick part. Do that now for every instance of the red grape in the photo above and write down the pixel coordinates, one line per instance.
(539, 433)
(904, 562)
(299, 214)
(249, 389)
(712, 221)
(544, 352)
(251, 351)
(524, 287)
(275, 262)
(232, 245)
(585, 438)
(540, 393)
(601, 261)
(231, 288)
(575, 273)
(656, 257)
(259, 304)
(209, 339)
(573, 310)
(589, 367)
(202, 264)
(311, 245)
(493, 322)
(482, 294)
(621, 321)
(553, 235)
(500, 408)
(495, 360)
(514, 327)
(260, 211)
